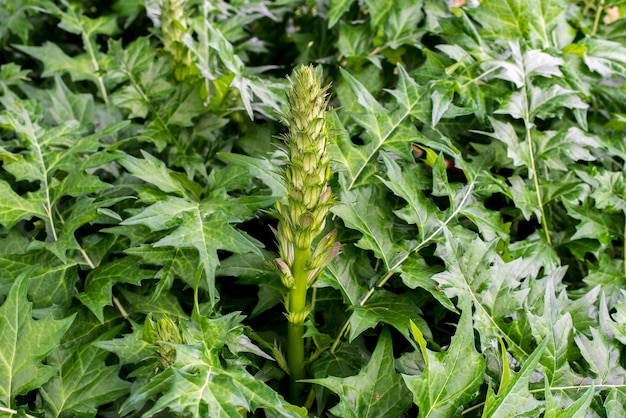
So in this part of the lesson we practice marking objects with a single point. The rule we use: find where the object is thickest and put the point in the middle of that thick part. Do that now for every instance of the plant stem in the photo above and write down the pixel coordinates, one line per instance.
(528, 124)
(596, 21)
(96, 66)
(13, 412)
(297, 314)
(544, 221)
(624, 247)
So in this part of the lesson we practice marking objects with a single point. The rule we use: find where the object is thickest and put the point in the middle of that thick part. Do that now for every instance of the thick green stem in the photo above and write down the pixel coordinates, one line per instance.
(96, 66)
(295, 359)
(624, 247)
(297, 314)
(596, 21)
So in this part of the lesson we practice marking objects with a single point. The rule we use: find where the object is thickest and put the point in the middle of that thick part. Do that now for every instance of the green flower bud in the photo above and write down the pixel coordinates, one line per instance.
(160, 333)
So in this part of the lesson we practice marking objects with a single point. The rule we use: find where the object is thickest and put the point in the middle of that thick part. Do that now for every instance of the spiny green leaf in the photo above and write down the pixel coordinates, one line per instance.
(251, 269)
(216, 392)
(578, 409)
(18, 19)
(452, 378)
(215, 56)
(601, 351)
(12, 74)
(198, 227)
(164, 214)
(517, 150)
(604, 57)
(78, 23)
(614, 403)
(133, 59)
(176, 263)
(148, 86)
(555, 327)
(83, 212)
(594, 224)
(346, 361)
(24, 344)
(383, 306)
(528, 64)
(153, 171)
(385, 130)
(536, 253)
(618, 323)
(337, 9)
(417, 273)
(610, 191)
(541, 22)
(377, 391)
(165, 304)
(262, 169)
(506, 19)
(408, 184)
(84, 382)
(344, 272)
(101, 280)
(56, 61)
(14, 208)
(514, 394)
(131, 348)
(607, 273)
(355, 43)
(184, 105)
(208, 234)
(401, 21)
(201, 384)
(65, 104)
(378, 11)
(479, 277)
(51, 281)
(372, 222)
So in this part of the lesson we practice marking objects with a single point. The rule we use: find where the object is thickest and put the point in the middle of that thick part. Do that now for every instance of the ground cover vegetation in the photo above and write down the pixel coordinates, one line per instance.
(349, 208)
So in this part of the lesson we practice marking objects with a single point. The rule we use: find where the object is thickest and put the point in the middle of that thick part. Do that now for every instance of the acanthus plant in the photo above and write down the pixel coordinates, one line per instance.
(475, 154)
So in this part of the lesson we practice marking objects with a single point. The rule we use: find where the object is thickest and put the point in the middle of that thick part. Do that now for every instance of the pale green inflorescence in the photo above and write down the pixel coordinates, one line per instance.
(160, 333)
(309, 196)
(174, 27)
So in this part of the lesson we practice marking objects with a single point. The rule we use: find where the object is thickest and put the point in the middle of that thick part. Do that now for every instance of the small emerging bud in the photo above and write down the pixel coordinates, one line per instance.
(284, 268)
(162, 333)
(297, 318)
(285, 274)
(325, 195)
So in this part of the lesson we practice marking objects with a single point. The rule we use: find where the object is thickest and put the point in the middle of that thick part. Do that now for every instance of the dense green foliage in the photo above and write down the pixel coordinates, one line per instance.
(477, 157)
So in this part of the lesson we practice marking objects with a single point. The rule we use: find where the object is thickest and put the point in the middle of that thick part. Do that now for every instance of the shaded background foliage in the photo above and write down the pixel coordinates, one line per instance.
(478, 151)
